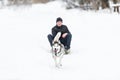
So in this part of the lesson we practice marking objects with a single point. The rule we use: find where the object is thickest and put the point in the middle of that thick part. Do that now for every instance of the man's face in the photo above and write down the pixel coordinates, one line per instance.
(59, 23)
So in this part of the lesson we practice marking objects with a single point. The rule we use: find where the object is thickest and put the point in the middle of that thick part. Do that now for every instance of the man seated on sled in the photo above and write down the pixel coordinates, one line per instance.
(66, 36)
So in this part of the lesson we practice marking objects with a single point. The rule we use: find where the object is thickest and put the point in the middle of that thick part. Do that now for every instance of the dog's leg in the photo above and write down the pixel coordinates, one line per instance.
(60, 64)
(54, 57)
(59, 61)
(55, 60)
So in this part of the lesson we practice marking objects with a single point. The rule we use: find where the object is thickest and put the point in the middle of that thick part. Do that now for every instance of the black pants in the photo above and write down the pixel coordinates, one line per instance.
(65, 41)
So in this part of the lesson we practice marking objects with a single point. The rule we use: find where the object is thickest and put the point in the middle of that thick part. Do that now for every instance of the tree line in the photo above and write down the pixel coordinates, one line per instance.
(90, 4)
(83, 4)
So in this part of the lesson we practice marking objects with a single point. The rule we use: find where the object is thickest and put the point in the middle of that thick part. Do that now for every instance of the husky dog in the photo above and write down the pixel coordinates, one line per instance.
(57, 50)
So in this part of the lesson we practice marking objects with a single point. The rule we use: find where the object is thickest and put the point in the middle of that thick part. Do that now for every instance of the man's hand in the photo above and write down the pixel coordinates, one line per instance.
(64, 35)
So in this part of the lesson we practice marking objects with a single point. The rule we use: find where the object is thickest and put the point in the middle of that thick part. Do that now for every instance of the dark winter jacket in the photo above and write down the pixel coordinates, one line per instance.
(63, 29)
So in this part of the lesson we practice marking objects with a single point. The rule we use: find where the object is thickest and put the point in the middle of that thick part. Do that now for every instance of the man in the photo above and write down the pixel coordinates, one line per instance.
(66, 36)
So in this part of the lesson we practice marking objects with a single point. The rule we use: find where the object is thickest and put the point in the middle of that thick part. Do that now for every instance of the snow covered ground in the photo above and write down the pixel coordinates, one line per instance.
(25, 51)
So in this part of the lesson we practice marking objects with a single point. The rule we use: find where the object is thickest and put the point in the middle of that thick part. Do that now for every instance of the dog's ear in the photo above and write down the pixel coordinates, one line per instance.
(61, 45)
(54, 42)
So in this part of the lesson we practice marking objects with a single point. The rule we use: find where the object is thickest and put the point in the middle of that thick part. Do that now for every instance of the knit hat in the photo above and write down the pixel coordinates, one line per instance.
(59, 19)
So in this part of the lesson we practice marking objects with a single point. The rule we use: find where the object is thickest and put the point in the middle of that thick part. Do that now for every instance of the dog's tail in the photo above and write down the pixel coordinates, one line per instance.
(56, 39)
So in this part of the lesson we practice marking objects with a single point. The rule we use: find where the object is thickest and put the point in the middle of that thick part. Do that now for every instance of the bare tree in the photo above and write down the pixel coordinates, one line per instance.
(40, 1)
(1, 3)
(19, 2)
(89, 4)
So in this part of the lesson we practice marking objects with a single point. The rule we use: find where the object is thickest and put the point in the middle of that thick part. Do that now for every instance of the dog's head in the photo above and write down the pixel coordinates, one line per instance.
(56, 47)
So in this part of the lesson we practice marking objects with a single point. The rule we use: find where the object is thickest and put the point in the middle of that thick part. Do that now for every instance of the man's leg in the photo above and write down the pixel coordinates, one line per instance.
(50, 39)
(68, 40)
(62, 40)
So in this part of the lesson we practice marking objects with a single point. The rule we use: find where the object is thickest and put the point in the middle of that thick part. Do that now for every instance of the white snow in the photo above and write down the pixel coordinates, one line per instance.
(25, 51)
